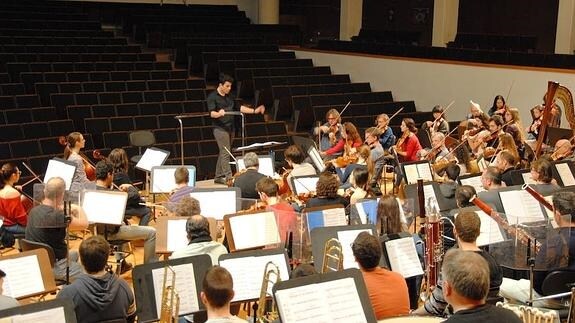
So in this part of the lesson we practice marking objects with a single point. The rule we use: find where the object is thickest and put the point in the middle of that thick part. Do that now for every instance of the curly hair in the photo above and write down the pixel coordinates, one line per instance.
(327, 185)
(187, 206)
(366, 250)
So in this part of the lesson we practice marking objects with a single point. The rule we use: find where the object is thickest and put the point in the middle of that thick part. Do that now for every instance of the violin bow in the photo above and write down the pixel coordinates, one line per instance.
(344, 108)
(36, 177)
(395, 114)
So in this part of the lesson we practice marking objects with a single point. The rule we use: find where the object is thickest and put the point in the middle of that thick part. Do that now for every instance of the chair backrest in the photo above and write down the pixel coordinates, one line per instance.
(142, 138)
(558, 281)
(27, 245)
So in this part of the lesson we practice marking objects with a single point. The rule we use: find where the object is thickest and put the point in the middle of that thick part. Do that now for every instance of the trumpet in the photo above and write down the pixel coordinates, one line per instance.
(170, 308)
(262, 314)
(332, 252)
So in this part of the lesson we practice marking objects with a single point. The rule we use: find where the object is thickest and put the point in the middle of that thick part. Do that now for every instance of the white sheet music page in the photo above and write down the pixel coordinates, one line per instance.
(254, 230)
(151, 158)
(332, 301)
(305, 185)
(247, 274)
(57, 168)
(185, 287)
(527, 179)
(403, 257)
(411, 173)
(226, 203)
(489, 232)
(333, 217)
(429, 192)
(474, 181)
(424, 171)
(56, 314)
(521, 207)
(23, 276)
(346, 238)
(107, 207)
(565, 174)
(361, 212)
(177, 237)
(163, 180)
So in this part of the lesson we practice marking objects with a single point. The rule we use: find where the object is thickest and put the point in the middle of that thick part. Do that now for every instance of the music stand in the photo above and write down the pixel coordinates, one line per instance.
(58, 167)
(554, 134)
(288, 292)
(146, 290)
(472, 180)
(152, 157)
(104, 206)
(251, 230)
(414, 170)
(162, 178)
(47, 311)
(304, 143)
(304, 184)
(180, 118)
(217, 202)
(31, 274)
(345, 234)
(563, 173)
(428, 188)
(247, 269)
(171, 234)
(266, 165)
(316, 158)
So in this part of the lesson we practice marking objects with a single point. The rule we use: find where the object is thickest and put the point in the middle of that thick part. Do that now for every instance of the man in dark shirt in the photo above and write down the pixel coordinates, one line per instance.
(465, 287)
(219, 102)
(505, 164)
(248, 179)
(47, 224)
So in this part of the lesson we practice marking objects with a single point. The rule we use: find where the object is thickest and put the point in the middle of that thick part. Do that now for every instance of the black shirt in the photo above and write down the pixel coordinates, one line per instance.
(247, 183)
(47, 225)
(506, 176)
(216, 102)
(484, 313)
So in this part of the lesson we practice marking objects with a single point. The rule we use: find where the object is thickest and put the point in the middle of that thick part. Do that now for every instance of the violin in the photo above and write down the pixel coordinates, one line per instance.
(258, 206)
(88, 167)
(231, 180)
(283, 185)
(332, 133)
(402, 139)
(343, 161)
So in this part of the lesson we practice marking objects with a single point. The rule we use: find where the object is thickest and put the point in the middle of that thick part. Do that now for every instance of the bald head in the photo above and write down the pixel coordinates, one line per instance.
(198, 227)
(55, 188)
(563, 147)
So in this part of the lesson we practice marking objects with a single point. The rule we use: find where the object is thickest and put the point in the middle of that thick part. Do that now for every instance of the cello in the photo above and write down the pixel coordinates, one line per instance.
(89, 168)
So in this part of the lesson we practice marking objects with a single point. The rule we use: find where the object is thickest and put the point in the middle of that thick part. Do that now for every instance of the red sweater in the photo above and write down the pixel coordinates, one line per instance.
(13, 211)
(339, 146)
(411, 146)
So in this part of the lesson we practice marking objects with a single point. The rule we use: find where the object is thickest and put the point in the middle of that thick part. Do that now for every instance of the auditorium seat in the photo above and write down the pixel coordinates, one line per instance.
(61, 127)
(25, 148)
(35, 130)
(145, 122)
(11, 132)
(127, 109)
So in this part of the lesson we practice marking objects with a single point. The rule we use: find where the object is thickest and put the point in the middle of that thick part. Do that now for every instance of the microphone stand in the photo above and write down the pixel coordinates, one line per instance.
(531, 264)
(68, 219)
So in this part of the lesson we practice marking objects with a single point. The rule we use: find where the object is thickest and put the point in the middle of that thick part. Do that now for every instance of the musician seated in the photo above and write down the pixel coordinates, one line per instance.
(287, 219)
(386, 138)
(491, 178)
(505, 164)
(449, 185)
(533, 129)
(119, 159)
(556, 253)
(439, 124)
(563, 150)
(360, 185)
(12, 210)
(466, 286)
(387, 290)
(247, 180)
(390, 221)
(372, 136)
(104, 180)
(349, 141)
(216, 295)
(303, 270)
(408, 145)
(182, 178)
(466, 230)
(542, 174)
(498, 106)
(199, 241)
(47, 224)
(326, 191)
(363, 161)
(6, 301)
(330, 131)
(187, 207)
(99, 295)
(295, 157)
(438, 149)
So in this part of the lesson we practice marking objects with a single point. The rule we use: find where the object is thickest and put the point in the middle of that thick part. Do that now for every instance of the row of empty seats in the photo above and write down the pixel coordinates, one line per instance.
(75, 57)
(59, 40)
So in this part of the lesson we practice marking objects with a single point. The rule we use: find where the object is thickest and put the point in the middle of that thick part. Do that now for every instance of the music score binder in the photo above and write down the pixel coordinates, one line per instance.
(58, 167)
(56, 310)
(104, 206)
(324, 216)
(412, 171)
(247, 269)
(217, 202)
(332, 297)
(146, 291)
(28, 274)
(346, 234)
(251, 230)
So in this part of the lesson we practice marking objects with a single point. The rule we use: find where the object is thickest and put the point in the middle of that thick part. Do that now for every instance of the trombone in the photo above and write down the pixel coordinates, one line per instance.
(170, 308)
(262, 314)
(332, 253)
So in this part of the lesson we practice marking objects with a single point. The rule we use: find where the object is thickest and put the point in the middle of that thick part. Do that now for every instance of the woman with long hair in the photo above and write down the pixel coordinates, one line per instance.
(119, 160)
(359, 180)
(11, 207)
(363, 161)
(514, 128)
(506, 143)
(350, 139)
(498, 106)
(75, 142)
(408, 145)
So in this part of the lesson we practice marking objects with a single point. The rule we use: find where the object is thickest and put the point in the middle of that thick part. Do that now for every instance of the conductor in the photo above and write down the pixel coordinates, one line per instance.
(220, 102)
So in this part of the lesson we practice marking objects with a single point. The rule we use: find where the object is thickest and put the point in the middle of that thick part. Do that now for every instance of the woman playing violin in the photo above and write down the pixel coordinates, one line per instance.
(386, 137)
(514, 127)
(408, 145)
(498, 106)
(74, 143)
(439, 124)
(294, 156)
(330, 131)
(349, 141)
(11, 207)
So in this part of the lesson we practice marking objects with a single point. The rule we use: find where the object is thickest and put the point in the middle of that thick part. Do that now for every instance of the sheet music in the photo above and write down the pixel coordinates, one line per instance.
(23, 276)
(346, 238)
(152, 157)
(332, 301)
(177, 237)
(316, 158)
(260, 144)
(58, 168)
(403, 257)
(402, 217)
(366, 211)
(474, 181)
(247, 274)
(305, 185)
(482, 163)
(429, 192)
(424, 171)
(107, 207)
(56, 314)
(185, 287)
(333, 217)
(527, 179)
(226, 203)
(521, 207)
(360, 212)
(254, 230)
(163, 180)
(411, 173)
(266, 165)
(565, 174)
